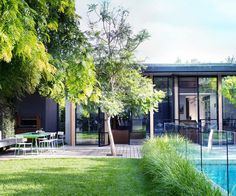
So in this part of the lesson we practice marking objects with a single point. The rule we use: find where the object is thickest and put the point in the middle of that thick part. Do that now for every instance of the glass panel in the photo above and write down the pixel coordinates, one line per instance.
(229, 103)
(188, 112)
(87, 128)
(165, 108)
(138, 127)
(208, 102)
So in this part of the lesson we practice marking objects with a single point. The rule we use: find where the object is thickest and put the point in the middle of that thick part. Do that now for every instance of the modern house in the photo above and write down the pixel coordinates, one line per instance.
(193, 97)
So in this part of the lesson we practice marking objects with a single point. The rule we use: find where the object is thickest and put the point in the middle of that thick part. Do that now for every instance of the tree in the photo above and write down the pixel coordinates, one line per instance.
(229, 83)
(178, 61)
(75, 76)
(229, 89)
(230, 59)
(41, 48)
(123, 87)
(23, 58)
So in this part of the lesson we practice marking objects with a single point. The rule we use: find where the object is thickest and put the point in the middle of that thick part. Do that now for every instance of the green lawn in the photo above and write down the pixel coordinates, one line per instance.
(87, 135)
(100, 176)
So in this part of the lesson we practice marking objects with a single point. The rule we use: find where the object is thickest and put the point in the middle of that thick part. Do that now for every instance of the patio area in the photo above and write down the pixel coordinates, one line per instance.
(123, 151)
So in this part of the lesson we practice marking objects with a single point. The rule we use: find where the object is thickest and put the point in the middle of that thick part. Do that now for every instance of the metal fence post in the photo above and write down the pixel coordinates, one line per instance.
(227, 162)
(186, 148)
(200, 132)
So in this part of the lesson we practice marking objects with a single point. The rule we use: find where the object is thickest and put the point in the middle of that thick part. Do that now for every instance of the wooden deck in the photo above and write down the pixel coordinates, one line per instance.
(123, 151)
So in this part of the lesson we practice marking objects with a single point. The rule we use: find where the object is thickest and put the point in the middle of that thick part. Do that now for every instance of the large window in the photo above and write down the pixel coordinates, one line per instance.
(165, 108)
(198, 101)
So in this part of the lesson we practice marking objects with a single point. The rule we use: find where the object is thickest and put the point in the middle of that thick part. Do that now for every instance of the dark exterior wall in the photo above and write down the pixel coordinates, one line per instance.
(33, 105)
(51, 116)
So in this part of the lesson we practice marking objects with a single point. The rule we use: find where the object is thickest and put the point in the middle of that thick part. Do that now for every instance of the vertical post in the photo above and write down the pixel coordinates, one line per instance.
(227, 161)
(70, 123)
(201, 148)
(176, 100)
(186, 147)
(151, 124)
(220, 105)
(151, 119)
(106, 137)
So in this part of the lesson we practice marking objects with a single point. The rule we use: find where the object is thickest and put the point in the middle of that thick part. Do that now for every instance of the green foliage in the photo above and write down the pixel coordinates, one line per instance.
(229, 88)
(26, 27)
(23, 57)
(170, 173)
(71, 54)
(118, 71)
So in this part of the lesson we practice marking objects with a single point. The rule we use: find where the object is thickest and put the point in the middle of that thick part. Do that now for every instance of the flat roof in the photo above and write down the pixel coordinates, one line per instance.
(191, 69)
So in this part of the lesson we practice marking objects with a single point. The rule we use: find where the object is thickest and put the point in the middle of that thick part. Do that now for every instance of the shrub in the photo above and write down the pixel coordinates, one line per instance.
(170, 173)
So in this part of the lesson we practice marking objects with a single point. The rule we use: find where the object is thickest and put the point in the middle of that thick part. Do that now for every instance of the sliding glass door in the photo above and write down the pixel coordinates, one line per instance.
(198, 101)
(188, 101)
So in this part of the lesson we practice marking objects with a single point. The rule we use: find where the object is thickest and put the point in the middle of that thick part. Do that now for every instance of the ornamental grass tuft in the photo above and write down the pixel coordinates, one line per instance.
(170, 173)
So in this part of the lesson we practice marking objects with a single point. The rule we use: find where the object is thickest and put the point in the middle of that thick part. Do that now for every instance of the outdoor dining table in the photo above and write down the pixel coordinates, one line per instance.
(34, 136)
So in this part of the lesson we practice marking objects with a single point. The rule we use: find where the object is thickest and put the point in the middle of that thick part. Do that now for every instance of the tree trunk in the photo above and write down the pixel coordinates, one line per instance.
(112, 143)
(7, 122)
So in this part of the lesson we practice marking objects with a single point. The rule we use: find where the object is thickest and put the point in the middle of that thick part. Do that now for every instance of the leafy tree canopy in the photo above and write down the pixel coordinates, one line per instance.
(23, 57)
(42, 47)
(119, 73)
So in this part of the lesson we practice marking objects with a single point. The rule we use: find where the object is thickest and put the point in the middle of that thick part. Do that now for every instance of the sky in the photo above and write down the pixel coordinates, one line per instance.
(186, 29)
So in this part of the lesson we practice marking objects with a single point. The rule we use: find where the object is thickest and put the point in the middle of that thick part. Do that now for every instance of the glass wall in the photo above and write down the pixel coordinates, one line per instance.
(208, 102)
(188, 101)
(165, 108)
(139, 127)
(198, 101)
(229, 102)
(88, 127)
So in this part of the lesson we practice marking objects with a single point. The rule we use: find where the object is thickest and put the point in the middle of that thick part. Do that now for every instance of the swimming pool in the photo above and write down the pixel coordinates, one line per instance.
(218, 174)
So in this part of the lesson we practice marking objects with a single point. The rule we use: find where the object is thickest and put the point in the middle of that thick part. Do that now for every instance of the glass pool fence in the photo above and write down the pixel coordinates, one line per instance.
(212, 151)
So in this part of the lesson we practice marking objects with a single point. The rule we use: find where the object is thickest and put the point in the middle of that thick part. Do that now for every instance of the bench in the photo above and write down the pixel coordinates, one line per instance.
(6, 143)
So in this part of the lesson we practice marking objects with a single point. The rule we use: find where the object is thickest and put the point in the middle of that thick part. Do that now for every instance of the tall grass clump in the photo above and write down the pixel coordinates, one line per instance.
(170, 173)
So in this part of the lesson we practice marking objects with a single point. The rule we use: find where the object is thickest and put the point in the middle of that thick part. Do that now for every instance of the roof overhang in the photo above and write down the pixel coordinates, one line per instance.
(191, 69)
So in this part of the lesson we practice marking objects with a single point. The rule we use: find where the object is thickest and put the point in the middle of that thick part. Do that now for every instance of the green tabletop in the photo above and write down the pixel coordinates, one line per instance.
(33, 135)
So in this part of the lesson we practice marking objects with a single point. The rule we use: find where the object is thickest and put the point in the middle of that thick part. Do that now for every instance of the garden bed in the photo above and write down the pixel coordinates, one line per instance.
(170, 173)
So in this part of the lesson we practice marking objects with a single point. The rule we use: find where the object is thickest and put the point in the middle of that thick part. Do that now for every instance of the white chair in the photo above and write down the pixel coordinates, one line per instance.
(23, 146)
(60, 138)
(48, 144)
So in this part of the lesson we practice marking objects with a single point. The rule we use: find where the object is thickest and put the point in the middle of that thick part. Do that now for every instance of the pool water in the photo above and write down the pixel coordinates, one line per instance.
(218, 174)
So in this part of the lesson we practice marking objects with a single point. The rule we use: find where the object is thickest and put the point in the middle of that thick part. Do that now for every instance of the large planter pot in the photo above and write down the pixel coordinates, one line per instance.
(121, 136)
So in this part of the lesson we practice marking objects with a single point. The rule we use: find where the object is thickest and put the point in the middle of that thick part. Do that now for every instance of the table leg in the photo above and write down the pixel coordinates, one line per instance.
(36, 146)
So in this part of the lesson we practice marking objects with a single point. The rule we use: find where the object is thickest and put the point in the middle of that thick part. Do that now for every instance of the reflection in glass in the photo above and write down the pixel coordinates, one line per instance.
(138, 127)
(165, 108)
(208, 102)
(229, 102)
(87, 127)
(188, 112)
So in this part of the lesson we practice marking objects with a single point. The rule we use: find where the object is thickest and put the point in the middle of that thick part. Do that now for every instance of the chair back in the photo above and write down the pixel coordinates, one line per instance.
(53, 135)
(60, 135)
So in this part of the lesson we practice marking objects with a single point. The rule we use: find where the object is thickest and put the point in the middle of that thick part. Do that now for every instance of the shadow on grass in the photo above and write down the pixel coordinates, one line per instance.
(73, 177)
